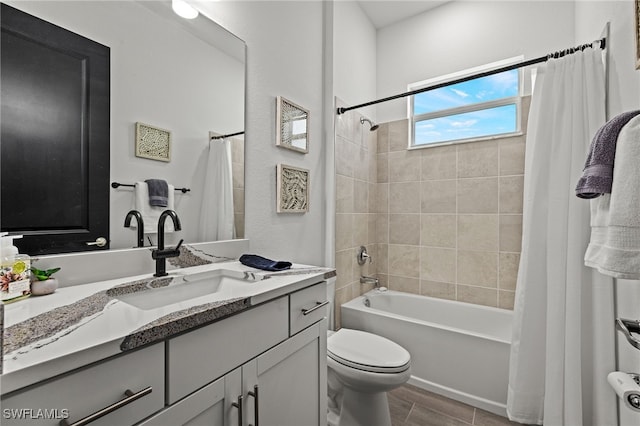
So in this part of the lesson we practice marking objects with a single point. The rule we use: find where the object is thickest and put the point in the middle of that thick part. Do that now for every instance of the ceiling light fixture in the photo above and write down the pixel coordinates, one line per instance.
(183, 9)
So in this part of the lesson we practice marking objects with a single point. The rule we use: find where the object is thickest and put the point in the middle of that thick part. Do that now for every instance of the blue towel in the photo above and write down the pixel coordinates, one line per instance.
(263, 263)
(158, 192)
(597, 176)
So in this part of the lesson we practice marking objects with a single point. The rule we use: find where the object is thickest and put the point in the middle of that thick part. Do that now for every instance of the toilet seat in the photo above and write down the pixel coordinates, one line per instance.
(369, 352)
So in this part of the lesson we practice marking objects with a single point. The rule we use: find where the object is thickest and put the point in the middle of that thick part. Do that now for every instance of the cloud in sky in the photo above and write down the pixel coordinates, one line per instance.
(460, 93)
(465, 123)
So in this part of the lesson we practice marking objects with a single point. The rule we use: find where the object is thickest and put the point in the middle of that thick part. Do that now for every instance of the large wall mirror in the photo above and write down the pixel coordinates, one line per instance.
(185, 76)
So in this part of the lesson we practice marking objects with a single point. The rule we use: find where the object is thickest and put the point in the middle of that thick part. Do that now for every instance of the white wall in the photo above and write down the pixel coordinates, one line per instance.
(354, 56)
(163, 76)
(461, 35)
(284, 57)
(624, 95)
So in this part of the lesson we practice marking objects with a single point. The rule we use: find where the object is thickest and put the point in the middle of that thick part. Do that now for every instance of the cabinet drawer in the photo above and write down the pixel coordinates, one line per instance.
(201, 356)
(307, 306)
(84, 392)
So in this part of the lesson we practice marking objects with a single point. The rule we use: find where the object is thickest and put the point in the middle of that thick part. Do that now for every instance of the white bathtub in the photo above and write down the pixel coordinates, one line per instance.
(458, 350)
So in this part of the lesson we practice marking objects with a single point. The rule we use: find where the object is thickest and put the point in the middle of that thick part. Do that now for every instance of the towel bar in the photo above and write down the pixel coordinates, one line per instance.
(117, 184)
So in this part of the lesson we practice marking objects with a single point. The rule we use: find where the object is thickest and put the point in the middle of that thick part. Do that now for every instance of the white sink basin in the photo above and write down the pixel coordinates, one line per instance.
(187, 287)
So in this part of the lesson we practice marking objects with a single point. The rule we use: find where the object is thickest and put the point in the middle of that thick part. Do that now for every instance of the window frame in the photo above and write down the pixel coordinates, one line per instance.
(480, 106)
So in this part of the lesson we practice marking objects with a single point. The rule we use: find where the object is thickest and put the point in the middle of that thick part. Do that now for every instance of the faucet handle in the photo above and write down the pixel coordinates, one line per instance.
(363, 256)
(179, 244)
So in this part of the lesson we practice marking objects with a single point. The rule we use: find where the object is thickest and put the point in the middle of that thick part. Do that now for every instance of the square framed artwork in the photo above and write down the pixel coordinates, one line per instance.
(153, 142)
(292, 127)
(292, 189)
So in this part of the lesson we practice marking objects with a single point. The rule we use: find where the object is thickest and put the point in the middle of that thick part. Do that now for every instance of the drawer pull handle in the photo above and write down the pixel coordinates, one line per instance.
(318, 306)
(238, 405)
(130, 397)
(254, 394)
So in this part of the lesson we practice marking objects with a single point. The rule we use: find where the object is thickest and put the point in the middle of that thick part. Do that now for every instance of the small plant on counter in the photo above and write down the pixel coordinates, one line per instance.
(42, 281)
(43, 274)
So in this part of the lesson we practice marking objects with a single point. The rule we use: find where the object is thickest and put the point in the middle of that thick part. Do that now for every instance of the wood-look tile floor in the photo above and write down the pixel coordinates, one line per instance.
(412, 406)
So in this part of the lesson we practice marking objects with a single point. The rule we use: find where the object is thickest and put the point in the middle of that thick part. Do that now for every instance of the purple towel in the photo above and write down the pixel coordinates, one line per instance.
(597, 175)
(158, 192)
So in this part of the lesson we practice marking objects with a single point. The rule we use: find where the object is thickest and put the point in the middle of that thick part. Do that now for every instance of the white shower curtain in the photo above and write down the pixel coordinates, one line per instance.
(216, 214)
(563, 344)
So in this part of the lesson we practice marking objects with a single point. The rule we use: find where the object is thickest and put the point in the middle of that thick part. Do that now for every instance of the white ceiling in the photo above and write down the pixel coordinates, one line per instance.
(383, 13)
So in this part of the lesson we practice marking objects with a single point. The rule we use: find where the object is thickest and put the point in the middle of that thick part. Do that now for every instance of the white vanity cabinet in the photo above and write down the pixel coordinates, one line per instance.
(264, 366)
(287, 385)
(276, 367)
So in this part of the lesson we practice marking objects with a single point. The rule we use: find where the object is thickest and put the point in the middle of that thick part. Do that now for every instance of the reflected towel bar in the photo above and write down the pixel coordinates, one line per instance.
(226, 136)
(117, 184)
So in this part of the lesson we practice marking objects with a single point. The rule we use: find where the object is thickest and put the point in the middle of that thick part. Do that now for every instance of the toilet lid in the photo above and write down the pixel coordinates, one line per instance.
(366, 351)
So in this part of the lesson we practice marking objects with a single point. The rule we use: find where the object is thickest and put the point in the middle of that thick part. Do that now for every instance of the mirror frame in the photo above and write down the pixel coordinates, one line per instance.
(288, 113)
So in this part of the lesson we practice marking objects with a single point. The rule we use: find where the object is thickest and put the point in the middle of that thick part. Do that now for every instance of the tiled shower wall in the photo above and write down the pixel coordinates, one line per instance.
(356, 181)
(442, 221)
(450, 218)
(237, 168)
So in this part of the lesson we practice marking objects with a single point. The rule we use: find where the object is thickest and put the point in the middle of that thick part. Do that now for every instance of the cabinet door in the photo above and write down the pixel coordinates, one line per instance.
(290, 382)
(213, 405)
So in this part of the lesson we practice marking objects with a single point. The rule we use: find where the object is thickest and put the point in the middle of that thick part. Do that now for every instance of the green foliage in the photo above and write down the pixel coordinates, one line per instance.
(43, 275)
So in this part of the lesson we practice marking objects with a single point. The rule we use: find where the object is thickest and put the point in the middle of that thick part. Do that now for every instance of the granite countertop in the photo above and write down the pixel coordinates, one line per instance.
(48, 335)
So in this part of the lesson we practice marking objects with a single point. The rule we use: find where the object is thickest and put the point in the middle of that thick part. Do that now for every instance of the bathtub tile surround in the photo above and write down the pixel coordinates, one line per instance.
(410, 405)
(470, 216)
(357, 203)
(237, 167)
(443, 221)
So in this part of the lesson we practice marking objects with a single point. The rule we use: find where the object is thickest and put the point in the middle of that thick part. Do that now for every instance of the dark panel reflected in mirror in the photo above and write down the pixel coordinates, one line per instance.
(55, 135)
(186, 76)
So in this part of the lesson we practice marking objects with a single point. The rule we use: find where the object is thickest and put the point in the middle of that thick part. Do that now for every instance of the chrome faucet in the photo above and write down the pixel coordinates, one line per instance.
(161, 254)
(370, 280)
(140, 225)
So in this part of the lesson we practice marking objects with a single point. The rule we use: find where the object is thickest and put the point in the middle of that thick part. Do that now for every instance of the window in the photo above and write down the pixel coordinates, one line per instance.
(479, 108)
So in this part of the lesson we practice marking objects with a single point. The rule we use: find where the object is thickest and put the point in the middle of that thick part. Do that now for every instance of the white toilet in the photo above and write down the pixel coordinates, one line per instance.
(362, 367)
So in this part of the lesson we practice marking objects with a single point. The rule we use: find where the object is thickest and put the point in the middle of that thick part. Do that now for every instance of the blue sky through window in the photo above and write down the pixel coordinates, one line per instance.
(475, 124)
(474, 118)
(497, 86)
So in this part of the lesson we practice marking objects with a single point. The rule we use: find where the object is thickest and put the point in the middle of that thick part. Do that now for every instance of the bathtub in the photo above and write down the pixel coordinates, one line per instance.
(458, 350)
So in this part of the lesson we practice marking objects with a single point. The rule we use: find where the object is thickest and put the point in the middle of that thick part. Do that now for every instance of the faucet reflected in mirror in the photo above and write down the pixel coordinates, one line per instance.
(160, 254)
(139, 225)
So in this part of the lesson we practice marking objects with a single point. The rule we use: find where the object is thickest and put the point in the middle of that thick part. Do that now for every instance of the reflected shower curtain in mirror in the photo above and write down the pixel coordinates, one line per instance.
(216, 214)
(563, 337)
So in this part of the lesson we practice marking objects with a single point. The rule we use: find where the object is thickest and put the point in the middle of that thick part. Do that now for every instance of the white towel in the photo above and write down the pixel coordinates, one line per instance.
(614, 248)
(151, 214)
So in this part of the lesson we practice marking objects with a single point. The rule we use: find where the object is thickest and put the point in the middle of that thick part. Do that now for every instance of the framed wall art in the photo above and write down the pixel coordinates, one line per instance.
(152, 142)
(292, 129)
(292, 189)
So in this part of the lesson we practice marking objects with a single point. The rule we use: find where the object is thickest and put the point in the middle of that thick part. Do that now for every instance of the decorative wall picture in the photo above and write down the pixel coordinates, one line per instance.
(292, 189)
(153, 143)
(637, 15)
(292, 129)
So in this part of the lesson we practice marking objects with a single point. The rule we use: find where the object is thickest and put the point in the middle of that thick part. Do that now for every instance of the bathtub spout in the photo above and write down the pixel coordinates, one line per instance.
(370, 280)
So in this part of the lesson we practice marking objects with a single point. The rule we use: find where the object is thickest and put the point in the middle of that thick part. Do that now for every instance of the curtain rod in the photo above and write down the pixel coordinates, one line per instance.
(558, 54)
(227, 136)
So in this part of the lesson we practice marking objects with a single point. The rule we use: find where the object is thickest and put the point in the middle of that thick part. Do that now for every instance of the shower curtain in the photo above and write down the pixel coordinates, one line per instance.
(216, 214)
(563, 335)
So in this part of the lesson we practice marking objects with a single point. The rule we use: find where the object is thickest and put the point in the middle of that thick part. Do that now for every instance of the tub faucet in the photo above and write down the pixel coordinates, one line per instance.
(370, 280)
(139, 225)
(161, 254)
